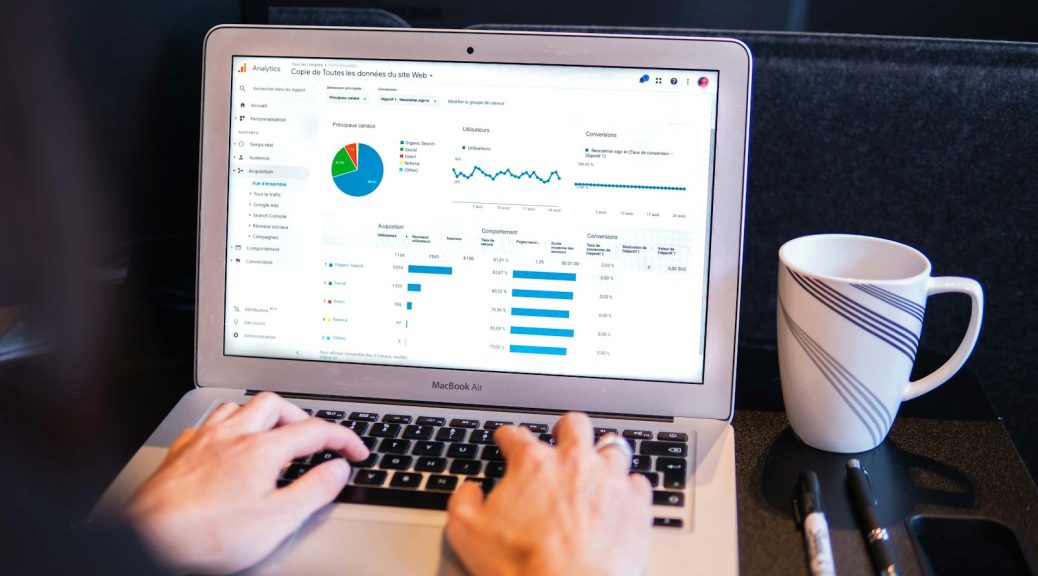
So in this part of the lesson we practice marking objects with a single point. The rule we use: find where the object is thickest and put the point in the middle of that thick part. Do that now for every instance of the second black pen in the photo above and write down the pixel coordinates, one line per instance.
(877, 539)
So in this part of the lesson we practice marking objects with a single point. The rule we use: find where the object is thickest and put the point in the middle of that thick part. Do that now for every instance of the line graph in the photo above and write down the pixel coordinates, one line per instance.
(533, 175)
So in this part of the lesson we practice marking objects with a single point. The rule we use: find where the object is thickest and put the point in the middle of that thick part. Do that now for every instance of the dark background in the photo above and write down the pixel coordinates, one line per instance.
(122, 81)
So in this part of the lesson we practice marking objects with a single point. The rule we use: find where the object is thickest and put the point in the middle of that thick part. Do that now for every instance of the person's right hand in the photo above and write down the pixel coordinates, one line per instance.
(213, 506)
(563, 510)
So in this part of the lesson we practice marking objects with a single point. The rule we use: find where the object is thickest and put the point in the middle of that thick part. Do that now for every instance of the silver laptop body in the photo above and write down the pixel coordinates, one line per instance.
(457, 227)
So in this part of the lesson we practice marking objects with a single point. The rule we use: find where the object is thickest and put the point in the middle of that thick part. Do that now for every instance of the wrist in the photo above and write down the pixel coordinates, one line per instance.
(152, 530)
(557, 561)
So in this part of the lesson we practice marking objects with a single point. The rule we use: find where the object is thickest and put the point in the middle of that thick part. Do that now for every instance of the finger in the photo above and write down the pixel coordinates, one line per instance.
(641, 486)
(266, 411)
(466, 502)
(313, 435)
(615, 457)
(573, 430)
(463, 510)
(512, 439)
(220, 413)
(183, 439)
(319, 486)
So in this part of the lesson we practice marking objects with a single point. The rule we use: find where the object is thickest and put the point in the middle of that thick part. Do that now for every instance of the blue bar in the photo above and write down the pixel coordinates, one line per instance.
(532, 275)
(515, 348)
(542, 294)
(409, 305)
(531, 331)
(414, 287)
(540, 313)
(413, 269)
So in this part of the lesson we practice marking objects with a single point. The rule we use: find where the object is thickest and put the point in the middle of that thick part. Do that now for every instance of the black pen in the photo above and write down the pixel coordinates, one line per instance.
(807, 505)
(877, 539)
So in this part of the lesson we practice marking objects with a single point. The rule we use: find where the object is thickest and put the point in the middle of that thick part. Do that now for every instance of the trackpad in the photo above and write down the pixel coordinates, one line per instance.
(330, 543)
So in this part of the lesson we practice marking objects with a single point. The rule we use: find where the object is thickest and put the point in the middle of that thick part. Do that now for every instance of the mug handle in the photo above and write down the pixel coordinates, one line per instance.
(941, 285)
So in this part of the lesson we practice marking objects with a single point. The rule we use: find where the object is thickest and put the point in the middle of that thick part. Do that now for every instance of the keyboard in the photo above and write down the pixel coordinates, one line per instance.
(417, 461)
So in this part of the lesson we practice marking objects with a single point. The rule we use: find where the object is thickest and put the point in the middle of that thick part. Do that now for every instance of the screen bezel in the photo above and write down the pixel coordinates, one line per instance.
(711, 399)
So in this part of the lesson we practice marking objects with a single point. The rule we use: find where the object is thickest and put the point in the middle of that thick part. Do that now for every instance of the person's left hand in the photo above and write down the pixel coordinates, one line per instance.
(213, 505)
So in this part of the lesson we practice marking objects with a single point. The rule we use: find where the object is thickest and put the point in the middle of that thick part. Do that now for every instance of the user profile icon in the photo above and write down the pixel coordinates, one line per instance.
(643, 79)
(704, 81)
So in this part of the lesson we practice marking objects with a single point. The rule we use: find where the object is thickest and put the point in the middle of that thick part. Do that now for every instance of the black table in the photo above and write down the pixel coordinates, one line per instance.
(947, 453)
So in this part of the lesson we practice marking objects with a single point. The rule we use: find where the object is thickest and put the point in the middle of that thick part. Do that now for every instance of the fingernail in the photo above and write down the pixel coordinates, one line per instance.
(339, 470)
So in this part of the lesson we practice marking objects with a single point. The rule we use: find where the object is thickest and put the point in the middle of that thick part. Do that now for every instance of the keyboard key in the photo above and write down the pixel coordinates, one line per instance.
(671, 464)
(640, 463)
(599, 432)
(445, 483)
(674, 480)
(652, 477)
(664, 448)
(358, 427)
(638, 434)
(481, 437)
(383, 430)
(393, 497)
(495, 424)
(364, 416)
(371, 477)
(450, 434)
(367, 462)
(428, 448)
(535, 428)
(324, 457)
(675, 470)
(396, 419)
(487, 484)
(394, 446)
(668, 522)
(369, 442)
(331, 414)
(495, 469)
(548, 438)
(406, 479)
(295, 471)
(492, 453)
(301, 459)
(418, 432)
(462, 450)
(672, 436)
(431, 421)
(464, 423)
(396, 462)
(468, 467)
(430, 464)
(660, 498)
(308, 411)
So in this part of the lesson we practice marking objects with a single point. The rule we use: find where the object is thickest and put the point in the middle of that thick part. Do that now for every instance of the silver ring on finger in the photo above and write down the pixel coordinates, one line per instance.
(614, 441)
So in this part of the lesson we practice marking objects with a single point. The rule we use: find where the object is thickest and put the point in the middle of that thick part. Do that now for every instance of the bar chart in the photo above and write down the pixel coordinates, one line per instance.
(542, 334)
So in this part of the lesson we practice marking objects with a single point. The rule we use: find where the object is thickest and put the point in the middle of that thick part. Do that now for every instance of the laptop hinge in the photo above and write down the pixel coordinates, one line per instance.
(333, 398)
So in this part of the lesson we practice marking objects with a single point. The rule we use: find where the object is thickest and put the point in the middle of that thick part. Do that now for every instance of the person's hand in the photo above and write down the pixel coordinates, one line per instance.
(213, 505)
(562, 510)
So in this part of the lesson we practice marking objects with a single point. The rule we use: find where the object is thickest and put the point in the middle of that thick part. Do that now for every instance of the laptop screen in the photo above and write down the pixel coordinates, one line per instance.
(494, 217)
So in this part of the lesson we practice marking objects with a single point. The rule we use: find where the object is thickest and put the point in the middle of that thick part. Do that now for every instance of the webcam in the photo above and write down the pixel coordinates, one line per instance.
(470, 49)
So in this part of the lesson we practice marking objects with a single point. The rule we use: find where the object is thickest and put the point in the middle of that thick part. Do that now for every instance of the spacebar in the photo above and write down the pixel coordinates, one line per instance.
(390, 497)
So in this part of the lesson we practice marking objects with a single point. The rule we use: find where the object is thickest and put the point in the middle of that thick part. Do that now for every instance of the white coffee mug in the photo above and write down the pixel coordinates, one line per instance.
(850, 312)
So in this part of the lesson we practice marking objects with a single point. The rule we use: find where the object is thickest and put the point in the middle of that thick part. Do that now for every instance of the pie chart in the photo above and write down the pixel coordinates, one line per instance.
(357, 169)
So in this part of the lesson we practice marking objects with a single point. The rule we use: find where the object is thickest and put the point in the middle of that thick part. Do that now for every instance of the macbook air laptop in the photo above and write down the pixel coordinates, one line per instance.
(424, 235)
